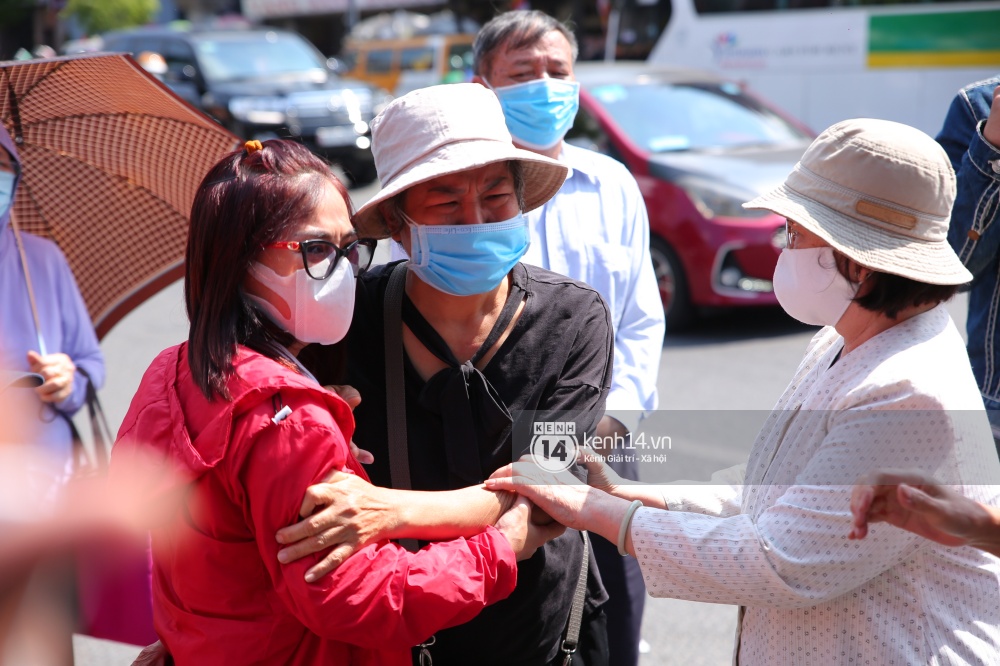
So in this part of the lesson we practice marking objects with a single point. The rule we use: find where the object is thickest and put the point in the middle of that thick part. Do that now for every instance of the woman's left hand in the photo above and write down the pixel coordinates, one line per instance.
(353, 514)
(58, 371)
(347, 393)
(560, 495)
(352, 397)
(361, 455)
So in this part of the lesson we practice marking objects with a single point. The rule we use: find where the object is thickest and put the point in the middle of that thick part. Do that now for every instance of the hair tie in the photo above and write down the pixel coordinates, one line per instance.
(252, 146)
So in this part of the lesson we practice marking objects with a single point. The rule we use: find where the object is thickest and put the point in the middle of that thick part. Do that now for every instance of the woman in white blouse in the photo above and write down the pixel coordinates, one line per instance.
(885, 383)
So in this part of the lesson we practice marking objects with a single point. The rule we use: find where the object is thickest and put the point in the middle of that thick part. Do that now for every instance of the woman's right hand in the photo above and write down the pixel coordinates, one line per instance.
(525, 535)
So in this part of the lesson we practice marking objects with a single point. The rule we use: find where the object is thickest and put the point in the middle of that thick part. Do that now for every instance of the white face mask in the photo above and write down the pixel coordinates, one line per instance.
(321, 309)
(810, 288)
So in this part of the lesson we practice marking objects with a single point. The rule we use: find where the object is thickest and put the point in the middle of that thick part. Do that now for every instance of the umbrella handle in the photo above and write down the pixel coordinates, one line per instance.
(27, 281)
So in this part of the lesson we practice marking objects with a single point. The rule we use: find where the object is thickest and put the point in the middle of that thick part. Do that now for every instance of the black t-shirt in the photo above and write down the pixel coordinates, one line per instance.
(556, 360)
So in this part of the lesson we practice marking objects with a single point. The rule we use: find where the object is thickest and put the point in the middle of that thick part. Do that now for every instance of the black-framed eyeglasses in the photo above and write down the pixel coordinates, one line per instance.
(320, 257)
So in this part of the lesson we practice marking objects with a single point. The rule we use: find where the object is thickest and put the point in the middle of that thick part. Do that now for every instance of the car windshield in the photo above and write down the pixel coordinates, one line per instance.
(256, 56)
(663, 117)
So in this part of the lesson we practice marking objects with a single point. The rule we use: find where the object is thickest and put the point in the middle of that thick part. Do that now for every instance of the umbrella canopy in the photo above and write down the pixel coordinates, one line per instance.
(111, 160)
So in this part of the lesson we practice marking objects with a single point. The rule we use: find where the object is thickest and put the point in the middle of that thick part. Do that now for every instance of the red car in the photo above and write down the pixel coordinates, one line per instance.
(699, 146)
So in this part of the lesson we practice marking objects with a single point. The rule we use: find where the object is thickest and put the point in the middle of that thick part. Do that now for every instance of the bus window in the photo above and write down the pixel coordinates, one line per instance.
(458, 66)
(720, 6)
(640, 24)
(420, 58)
(460, 57)
(348, 60)
(379, 62)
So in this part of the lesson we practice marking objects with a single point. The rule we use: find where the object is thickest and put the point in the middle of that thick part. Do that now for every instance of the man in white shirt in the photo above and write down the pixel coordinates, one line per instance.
(594, 230)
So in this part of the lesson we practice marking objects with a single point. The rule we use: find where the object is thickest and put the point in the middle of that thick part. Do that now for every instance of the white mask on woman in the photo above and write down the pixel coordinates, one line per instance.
(321, 309)
(810, 288)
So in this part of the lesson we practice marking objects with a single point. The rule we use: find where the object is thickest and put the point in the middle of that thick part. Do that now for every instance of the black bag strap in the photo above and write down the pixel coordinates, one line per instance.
(100, 431)
(103, 438)
(395, 393)
(572, 639)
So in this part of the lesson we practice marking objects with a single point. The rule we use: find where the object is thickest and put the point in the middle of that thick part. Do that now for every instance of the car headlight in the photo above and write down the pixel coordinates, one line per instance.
(259, 110)
(719, 199)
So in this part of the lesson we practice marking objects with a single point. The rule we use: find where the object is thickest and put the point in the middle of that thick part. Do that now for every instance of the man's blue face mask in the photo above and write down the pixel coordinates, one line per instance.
(539, 112)
(6, 190)
(466, 259)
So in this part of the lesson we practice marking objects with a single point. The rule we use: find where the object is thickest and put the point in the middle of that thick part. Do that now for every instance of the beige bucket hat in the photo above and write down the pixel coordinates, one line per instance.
(441, 130)
(879, 192)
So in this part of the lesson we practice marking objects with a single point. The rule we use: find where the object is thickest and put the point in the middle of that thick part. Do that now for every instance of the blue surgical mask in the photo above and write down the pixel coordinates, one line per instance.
(6, 190)
(466, 259)
(539, 112)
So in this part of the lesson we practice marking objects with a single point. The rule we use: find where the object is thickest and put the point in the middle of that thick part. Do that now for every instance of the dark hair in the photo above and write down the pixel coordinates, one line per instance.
(517, 29)
(389, 210)
(250, 198)
(888, 294)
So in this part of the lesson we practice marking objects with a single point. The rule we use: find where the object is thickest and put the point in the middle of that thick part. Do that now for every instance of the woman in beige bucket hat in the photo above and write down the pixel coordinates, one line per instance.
(886, 382)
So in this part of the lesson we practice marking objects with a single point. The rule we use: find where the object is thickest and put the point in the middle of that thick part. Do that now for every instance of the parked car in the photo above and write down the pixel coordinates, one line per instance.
(267, 83)
(699, 146)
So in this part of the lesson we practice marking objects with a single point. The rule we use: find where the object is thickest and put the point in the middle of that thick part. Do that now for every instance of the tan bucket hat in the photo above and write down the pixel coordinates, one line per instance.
(879, 192)
(441, 130)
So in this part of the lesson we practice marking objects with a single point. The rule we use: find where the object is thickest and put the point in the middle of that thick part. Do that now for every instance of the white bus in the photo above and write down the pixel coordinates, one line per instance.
(826, 60)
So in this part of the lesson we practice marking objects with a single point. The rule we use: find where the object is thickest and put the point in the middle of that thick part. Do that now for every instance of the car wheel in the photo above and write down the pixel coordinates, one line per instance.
(672, 283)
(360, 173)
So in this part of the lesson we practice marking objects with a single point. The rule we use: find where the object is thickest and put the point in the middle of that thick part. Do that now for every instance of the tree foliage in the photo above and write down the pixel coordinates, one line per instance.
(97, 16)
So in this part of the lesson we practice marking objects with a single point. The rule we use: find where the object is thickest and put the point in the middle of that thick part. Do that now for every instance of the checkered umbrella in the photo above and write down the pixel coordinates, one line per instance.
(111, 160)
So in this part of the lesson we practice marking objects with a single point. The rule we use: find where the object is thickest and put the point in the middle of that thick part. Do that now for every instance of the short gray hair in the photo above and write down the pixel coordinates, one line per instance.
(518, 29)
(390, 210)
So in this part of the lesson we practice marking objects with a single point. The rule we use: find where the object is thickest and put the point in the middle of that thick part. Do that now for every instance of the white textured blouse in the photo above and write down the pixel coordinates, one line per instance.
(773, 538)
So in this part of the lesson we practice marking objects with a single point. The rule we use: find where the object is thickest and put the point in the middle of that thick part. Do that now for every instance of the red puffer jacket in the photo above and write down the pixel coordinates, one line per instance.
(220, 596)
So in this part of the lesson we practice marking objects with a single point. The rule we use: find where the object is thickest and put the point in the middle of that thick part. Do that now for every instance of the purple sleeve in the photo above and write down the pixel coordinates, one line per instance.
(66, 324)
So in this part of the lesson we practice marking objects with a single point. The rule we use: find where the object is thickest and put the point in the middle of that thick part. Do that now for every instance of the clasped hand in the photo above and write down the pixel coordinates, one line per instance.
(558, 494)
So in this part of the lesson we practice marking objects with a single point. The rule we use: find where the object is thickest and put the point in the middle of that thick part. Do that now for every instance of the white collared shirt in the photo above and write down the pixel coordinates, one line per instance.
(595, 229)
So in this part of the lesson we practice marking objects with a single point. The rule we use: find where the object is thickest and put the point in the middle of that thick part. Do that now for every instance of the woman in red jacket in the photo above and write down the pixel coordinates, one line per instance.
(271, 265)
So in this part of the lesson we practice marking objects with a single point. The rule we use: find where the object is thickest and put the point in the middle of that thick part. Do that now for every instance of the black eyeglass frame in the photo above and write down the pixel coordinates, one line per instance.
(302, 247)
